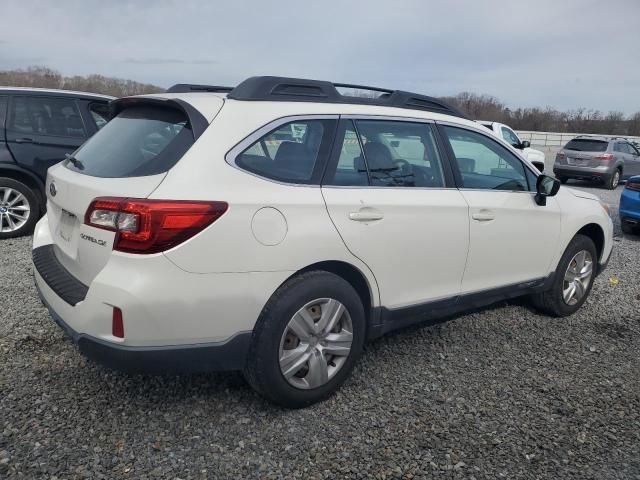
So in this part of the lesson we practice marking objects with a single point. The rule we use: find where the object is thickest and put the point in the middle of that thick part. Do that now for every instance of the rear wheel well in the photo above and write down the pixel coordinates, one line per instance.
(596, 234)
(352, 275)
(27, 180)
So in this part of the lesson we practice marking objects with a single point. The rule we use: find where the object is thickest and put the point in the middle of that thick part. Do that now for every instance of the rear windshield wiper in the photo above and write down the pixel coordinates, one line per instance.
(74, 161)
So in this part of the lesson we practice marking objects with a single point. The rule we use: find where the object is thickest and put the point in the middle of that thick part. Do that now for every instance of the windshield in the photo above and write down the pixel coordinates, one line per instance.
(587, 145)
(139, 141)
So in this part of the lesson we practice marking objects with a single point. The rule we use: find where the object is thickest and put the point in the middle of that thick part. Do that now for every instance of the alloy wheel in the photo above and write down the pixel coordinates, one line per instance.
(14, 209)
(315, 343)
(616, 179)
(577, 277)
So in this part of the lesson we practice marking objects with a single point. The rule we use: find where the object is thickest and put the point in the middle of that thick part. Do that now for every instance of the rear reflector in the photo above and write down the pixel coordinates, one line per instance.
(117, 324)
(604, 156)
(151, 226)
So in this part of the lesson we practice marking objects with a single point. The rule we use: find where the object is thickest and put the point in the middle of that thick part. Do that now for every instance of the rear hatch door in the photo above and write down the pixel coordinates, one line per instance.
(582, 152)
(128, 158)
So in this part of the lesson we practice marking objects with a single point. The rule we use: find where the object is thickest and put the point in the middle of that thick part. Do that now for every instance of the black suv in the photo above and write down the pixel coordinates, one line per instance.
(38, 128)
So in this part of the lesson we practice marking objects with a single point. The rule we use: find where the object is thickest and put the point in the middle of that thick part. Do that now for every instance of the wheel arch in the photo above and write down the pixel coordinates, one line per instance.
(355, 276)
(28, 178)
(596, 234)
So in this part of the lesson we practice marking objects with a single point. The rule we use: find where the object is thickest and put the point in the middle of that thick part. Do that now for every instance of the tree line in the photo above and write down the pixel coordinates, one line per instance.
(581, 120)
(44, 77)
(483, 107)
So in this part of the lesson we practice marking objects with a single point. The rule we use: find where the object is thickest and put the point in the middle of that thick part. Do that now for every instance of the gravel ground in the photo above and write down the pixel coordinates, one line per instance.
(502, 393)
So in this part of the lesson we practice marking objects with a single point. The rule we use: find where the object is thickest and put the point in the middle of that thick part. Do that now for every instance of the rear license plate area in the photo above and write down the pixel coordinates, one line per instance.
(67, 224)
(578, 162)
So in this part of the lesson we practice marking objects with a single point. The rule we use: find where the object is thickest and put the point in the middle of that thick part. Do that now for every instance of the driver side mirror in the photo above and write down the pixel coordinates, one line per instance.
(525, 144)
(546, 186)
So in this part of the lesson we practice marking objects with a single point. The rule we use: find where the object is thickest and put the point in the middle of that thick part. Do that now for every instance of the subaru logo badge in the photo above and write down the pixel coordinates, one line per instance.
(52, 189)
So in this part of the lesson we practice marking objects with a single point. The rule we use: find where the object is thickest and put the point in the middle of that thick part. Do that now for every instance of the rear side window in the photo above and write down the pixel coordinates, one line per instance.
(99, 113)
(291, 153)
(586, 145)
(139, 141)
(385, 153)
(41, 115)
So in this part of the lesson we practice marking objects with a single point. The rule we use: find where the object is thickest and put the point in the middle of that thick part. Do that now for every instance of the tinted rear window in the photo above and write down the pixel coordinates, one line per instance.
(139, 141)
(587, 145)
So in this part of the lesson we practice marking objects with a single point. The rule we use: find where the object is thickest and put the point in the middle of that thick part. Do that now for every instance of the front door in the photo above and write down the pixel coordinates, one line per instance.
(392, 200)
(40, 130)
(512, 239)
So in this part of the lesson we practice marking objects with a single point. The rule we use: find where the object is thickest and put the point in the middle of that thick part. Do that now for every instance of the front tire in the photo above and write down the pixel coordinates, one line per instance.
(572, 281)
(307, 340)
(19, 208)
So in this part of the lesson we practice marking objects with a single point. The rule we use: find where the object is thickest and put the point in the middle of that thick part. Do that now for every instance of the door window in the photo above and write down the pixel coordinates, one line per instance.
(388, 154)
(484, 163)
(510, 137)
(99, 113)
(46, 116)
(290, 153)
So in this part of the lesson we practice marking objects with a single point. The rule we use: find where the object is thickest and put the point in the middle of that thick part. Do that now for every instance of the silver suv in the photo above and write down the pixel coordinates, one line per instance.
(607, 160)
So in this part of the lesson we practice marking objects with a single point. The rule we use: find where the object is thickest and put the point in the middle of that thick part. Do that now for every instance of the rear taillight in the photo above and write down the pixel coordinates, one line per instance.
(560, 155)
(151, 226)
(604, 156)
(635, 186)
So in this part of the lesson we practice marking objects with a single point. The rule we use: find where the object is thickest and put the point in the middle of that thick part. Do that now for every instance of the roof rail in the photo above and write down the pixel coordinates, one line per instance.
(188, 88)
(303, 90)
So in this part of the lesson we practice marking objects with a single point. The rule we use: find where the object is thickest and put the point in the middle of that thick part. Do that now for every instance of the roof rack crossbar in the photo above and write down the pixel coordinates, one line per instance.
(189, 88)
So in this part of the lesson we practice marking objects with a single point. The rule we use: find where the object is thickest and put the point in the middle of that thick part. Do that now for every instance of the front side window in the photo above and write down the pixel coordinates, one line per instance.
(484, 163)
(139, 141)
(510, 137)
(3, 114)
(46, 116)
(388, 154)
(289, 153)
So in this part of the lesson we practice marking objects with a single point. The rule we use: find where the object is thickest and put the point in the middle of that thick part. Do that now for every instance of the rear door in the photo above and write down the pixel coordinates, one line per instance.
(511, 238)
(42, 129)
(390, 194)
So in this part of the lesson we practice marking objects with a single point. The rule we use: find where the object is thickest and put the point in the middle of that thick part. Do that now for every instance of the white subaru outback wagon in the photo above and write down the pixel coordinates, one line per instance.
(275, 227)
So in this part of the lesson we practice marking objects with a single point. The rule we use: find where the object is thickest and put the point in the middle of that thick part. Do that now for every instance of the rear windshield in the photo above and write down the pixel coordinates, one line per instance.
(139, 141)
(587, 145)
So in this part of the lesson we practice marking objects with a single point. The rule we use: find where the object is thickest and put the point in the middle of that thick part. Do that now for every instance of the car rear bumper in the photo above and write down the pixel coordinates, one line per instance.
(585, 173)
(206, 357)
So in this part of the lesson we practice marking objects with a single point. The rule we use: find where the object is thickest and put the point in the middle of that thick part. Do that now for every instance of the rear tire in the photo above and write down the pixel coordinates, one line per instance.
(612, 181)
(627, 228)
(289, 337)
(554, 301)
(19, 208)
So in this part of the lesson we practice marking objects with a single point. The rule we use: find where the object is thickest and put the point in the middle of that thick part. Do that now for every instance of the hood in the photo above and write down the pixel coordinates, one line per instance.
(533, 154)
(581, 194)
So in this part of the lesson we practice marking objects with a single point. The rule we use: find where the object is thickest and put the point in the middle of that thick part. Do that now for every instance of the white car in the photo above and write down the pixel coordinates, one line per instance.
(500, 130)
(275, 227)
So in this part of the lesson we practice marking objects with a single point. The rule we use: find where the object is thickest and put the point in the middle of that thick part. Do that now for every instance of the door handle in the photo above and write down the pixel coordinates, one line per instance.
(366, 215)
(24, 140)
(483, 216)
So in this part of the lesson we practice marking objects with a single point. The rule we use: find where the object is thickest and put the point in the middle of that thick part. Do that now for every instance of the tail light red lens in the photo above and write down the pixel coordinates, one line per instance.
(151, 226)
(117, 323)
(604, 156)
(633, 186)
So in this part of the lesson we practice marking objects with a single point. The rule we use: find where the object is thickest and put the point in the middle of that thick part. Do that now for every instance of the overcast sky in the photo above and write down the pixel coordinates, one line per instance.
(561, 53)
